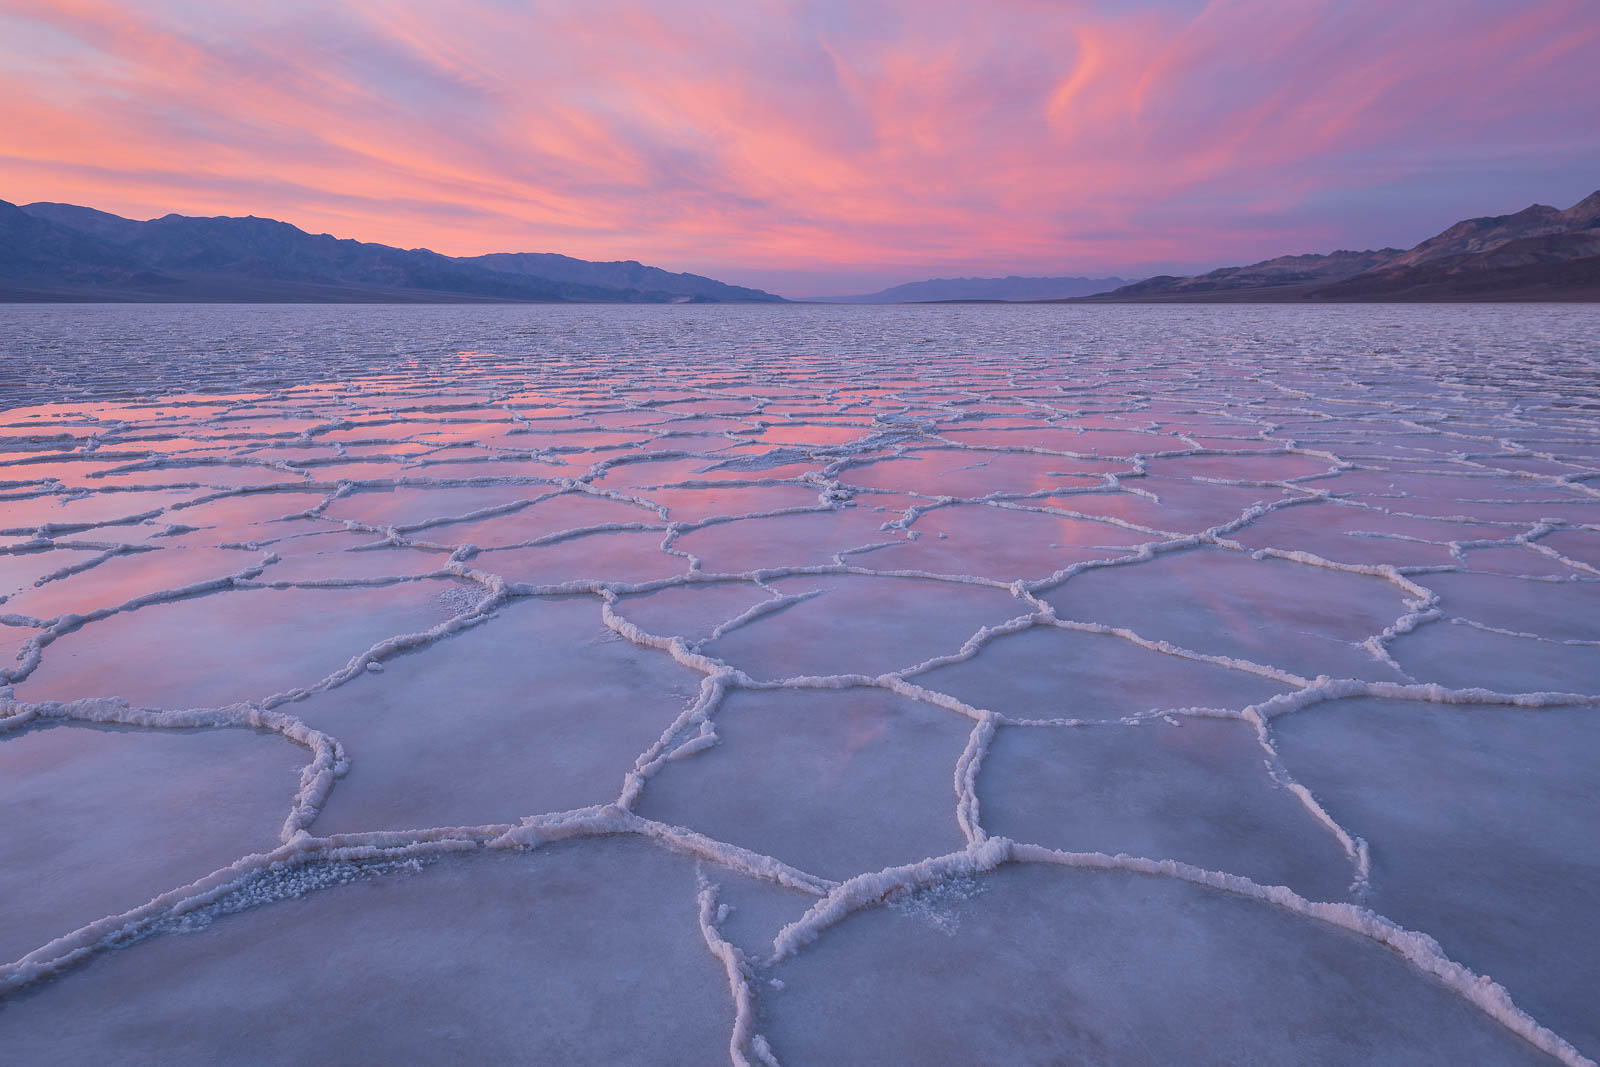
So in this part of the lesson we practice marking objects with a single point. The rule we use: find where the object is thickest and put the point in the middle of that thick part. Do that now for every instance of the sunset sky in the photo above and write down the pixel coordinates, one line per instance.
(813, 148)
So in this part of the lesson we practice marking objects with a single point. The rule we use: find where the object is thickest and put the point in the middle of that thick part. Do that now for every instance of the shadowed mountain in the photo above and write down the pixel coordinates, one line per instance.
(1539, 253)
(1557, 266)
(102, 225)
(622, 274)
(43, 253)
(1491, 233)
(1269, 273)
(65, 252)
(1008, 288)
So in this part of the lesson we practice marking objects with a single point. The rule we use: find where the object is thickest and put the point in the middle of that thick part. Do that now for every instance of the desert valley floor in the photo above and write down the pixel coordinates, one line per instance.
(1206, 685)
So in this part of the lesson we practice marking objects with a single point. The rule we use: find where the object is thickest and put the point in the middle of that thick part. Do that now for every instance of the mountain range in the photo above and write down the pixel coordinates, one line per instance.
(64, 252)
(1010, 288)
(1539, 253)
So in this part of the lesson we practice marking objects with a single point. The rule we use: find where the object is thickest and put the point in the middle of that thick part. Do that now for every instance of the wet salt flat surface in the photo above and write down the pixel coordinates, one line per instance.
(801, 685)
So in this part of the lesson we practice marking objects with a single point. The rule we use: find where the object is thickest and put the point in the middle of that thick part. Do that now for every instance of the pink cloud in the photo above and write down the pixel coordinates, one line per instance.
(829, 141)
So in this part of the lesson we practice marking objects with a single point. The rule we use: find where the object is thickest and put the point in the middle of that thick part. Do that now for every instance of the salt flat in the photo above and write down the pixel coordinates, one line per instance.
(800, 684)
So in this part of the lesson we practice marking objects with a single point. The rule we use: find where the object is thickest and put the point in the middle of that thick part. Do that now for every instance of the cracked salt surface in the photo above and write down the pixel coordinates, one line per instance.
(637, 684)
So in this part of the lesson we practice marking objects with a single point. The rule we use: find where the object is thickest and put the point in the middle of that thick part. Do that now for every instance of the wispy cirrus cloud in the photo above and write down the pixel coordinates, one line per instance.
(812, 146)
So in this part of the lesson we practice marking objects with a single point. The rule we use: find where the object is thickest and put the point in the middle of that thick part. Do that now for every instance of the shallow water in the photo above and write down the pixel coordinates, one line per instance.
(805, 684)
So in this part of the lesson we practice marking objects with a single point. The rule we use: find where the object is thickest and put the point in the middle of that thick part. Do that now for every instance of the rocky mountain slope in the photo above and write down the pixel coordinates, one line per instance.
(1538, 253)
(65, 252)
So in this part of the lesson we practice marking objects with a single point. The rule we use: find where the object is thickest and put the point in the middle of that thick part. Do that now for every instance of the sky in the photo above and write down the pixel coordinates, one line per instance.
(813, 148)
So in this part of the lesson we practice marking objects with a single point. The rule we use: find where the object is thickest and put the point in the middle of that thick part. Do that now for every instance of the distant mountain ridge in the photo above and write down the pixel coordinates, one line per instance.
(65, 252)
(1487, 234)
(51, 251)
(1012, 287)
(624, 274)
(1538, 253)
(1284, 270)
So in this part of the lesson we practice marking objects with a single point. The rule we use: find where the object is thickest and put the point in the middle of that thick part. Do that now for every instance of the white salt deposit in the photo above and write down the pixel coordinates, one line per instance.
(801, 685)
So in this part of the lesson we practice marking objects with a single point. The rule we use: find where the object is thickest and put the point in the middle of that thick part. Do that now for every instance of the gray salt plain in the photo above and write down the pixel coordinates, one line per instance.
(800, 685)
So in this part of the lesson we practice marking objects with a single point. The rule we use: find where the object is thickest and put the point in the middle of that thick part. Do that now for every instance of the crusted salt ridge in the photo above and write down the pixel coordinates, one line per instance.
(52, 629)
(95, 556)
(966, 778)
(744, 1041)
(328, 759)
(1417, 949)
(1574, 642)
(887, 435)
